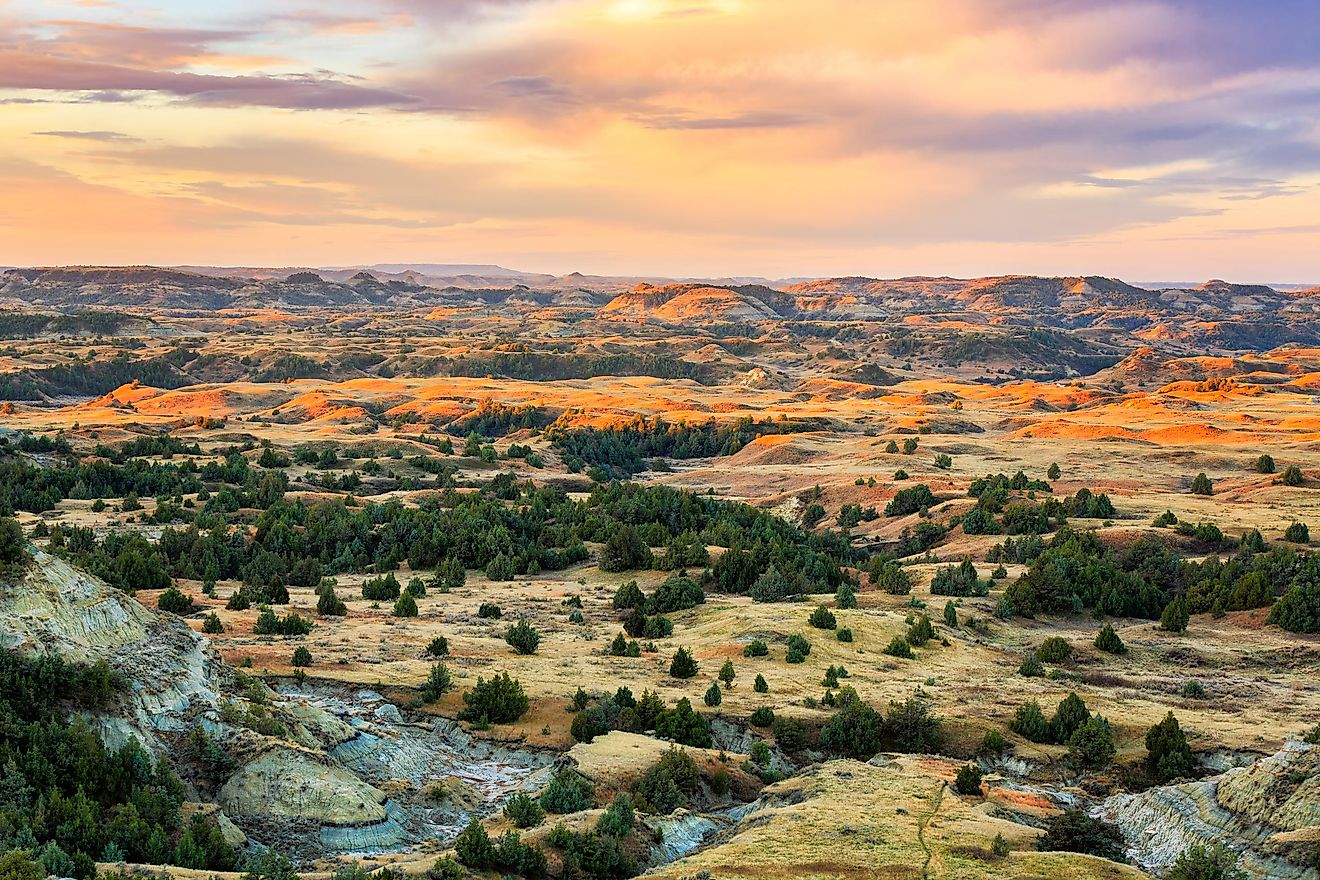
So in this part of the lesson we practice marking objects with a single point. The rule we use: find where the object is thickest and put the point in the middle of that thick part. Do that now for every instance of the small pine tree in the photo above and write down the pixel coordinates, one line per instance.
(727, 673)
(821, 618)
(1265, 464)
(899, 647)
(1054, 472)
(1297, 533)
(438, 683)
(950, 614)
(713, 696)
(212, 625)
(1168, 756)
(522, 637)
(1108, 641)
(1175, 616)
(330, 605)
(302, 656)
(968, 780)
(1198, 862)
(1202, 485)
(683, 665)
(405, 605)
(759, 685)
(845, 597)
(1292, 476)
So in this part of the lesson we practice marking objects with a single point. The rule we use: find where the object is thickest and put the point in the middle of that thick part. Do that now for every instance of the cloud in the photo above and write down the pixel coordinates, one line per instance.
(104, 136)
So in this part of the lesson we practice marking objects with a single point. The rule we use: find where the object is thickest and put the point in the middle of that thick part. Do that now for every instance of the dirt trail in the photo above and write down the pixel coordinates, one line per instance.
(921, 831)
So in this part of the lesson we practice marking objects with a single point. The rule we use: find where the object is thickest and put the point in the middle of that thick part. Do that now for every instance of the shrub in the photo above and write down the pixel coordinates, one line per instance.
(302, 656)
(1054, 649)
(522, 637)
(1202, 485)
(1108, 641)
(999, 846)
(568, 792)
(1192, 690)
(950, 614)
(759, 685)
(1030, 724)
(993, 742)
(500, 568)
(1030, 667)
(899, 647)
(268, 623)
(713, 696)
(789, 734)
(624, 551)
(212, 625)
(174, 601)
(756, 648)
(381, 589)
(845, 597)
(618, 818)
(683, 665)
(1168, 756)
(330, 605)
(968, 780)
(238, 601)
(1298, 609)
(890, 577)
(843, 634)
(855, 731)
(1265, 464)
(920, 632)
(629, 595)
(683, 725)
(960, 580)
(499, 700)
(1292, 476)
(762, 716)
(489, 611)
(1199, 862)
(727, 673)
(677, 593)
(523, 811)
(669, 782)
(405, 605)
(821, 618)
(1297, 533)
(771, 586)
(417, 587)
(439, 647)
(910, 500)
(1091, 745)
(1175, 616)
(1074, 831)
(473, 847)
(438, 683)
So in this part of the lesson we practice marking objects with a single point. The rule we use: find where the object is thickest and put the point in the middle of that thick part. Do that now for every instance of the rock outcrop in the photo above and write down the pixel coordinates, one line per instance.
(1268, 812)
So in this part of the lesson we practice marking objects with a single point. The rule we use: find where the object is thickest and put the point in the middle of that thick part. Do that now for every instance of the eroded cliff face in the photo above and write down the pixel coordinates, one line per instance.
(341, 773)
(1268, 811)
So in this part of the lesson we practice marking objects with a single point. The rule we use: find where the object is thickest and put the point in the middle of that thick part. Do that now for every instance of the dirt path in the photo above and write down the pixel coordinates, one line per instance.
(921, 831)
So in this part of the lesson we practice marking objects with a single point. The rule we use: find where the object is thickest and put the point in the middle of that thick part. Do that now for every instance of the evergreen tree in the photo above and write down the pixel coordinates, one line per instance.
(1108, 641)
(1168, 756)
(683, 665)
(1175, 616)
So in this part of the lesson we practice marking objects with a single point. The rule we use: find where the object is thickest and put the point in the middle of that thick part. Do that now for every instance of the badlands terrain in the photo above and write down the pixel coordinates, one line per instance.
(458, 570)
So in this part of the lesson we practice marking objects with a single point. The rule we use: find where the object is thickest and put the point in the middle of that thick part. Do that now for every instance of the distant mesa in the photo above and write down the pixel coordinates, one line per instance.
(304, 278)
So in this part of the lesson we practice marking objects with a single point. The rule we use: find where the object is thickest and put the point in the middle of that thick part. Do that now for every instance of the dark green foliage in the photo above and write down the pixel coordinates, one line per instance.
(770, 586)
(1091, 746)
(669, 783)
(822, 618)
(968, 780)
(1031, 667)
(381, 589)
(568, 792)
(489, 611)
(683, 665)
(856, 730)
(1198, 862)
(889, 576)
(1192, 690)
(501, 568)
(676, 594)
(1298, 609)
(950, 614)
(713, 697)
(174, 601)
(957, 581)
(1074, 831)
(522, 637)
(438, 683)
(1168, 756)
(302, 656)
(212, 624)
(756, 648)
(843, 634)
(1108, 641)
(1055, 649)
(1029, 722)
(1054, 472)
(498, 700)
(979, 521)
(683, 725)
(1292, 476)
(910, 500)
(591, 855)
(1175, 616)
(760, 685)
(473, 847)
(899, 647)
(291, 624)
(330, 605)
(845, 597)
(523, 811)
(405, 605)
(920, 632)
(789, 734)
(439, 647)
(798, 649)
(629, 595)
(1202, 485)
(1297, 533)
(1077, 571)
(624, 551)
(1265, 464)
(619, 818)
(762, 716)
(727, 674)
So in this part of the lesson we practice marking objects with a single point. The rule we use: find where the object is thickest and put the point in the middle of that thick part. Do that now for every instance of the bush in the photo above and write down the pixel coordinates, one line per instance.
(1292, 476)
(405, 605)
(789, 734)
(968, 780)
(439, 647)
(1265, 464)
(489, 611)
(677, 593)
(713, 696)
(1030, 667)
(843, 634)
(1108, 641)
(890, 577)
(1192, 690)
(821, 618)
(568, 792)
(770, 586)
(268, 623)
(1074, 831)
(523, 811)
(174, 601)
(212, 625)
(1030, 724)
(499, 700)
(756, 648)
(522, 637)
(330, 605)
(624, 551)
(1168, 756)
(899, 647)
(993, 742)
(798, 649)
(669, 782)
(950, 614)
(762, 716)
(727, 673)
(910, 500)
(960, 580)
(629, 595)
(302, 656)
(845, 597)
(760, 685)
(438, 683)
(1202, 485)
(381, 589)
(1091, 746)
(683, 665)
(1054, 649)
(1297, 533)
(920, 632)
(500, 568)
(13, 546)
(1298, 609)
(1175, 616)
(1198, 862)
(618, 818)
(683, 725)
(238, 601)
(473, 847)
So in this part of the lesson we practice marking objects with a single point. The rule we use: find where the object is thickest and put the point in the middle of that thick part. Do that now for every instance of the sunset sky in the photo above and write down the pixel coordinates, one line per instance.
(1156, 141)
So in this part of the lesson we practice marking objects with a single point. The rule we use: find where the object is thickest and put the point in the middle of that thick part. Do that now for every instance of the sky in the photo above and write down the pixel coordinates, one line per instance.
(1163, 140)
